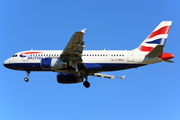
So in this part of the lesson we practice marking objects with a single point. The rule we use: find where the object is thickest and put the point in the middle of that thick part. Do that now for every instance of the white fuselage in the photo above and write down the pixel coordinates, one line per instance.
(109, 58)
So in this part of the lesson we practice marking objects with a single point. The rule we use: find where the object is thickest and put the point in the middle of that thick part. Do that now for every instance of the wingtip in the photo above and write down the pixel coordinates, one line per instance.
(83, 31)
(123, 77)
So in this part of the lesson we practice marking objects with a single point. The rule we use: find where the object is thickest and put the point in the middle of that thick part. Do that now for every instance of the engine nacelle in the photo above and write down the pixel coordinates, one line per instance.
(65, 78)
(53, 63)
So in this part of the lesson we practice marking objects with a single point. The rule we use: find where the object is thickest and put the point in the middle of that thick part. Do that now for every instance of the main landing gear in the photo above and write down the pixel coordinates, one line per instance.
(78, 75)
(86, 84)
(26, 79)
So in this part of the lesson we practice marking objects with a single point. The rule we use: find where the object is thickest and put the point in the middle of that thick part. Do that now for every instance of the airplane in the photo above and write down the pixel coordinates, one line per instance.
(74, 65)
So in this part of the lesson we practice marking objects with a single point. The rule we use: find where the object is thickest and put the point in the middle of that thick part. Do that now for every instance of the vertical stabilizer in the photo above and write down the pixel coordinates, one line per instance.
(157, 37)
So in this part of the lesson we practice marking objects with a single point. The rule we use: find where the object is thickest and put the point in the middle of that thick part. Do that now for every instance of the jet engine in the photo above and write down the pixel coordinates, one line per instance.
(53, 63)
(65, 78)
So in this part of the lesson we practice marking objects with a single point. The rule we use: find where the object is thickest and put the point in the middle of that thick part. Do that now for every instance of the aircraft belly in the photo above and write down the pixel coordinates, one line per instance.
(105, 66)
(25, 66)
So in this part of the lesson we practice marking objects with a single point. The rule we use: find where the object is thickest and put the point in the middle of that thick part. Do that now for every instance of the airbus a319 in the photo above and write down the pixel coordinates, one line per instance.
(74, 65)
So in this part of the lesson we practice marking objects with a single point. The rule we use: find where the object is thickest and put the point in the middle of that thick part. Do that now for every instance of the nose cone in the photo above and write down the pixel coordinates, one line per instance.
(6, 63)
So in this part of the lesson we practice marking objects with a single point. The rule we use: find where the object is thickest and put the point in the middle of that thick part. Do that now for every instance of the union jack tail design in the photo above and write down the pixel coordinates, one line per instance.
(157, 37)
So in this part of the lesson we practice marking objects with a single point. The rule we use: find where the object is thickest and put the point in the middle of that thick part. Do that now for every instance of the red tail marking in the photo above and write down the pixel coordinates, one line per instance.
(145, 49)
(163, 30)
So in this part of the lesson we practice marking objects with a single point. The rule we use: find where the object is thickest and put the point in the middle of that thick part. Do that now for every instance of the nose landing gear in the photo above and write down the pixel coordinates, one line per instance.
(26, 79)
(86, 83)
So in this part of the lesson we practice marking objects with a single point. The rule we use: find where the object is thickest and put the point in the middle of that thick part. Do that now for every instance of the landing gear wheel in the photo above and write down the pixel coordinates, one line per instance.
(77, 74)
(86, 84)
(26, 79)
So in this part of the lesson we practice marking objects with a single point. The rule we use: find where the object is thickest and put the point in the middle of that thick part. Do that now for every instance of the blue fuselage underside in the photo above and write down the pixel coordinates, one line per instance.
(105, 66)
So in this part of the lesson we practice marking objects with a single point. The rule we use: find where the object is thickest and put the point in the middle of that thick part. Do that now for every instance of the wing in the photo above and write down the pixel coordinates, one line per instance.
(74, 49)
(106, 76)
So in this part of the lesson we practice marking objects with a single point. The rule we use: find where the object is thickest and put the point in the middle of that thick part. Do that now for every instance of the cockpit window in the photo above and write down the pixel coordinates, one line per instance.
(14, 55)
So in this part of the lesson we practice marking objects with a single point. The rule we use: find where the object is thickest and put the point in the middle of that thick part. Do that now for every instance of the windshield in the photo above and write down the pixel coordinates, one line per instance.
(14, 55)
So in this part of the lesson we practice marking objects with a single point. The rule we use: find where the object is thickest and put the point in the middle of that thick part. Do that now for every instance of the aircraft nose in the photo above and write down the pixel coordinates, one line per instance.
(6, 63)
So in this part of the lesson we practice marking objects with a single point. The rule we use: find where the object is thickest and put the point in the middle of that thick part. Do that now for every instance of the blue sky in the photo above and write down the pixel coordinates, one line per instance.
(148, 93)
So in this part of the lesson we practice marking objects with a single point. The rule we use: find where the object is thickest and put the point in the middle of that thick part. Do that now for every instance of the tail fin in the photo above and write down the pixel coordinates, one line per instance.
(157, 37)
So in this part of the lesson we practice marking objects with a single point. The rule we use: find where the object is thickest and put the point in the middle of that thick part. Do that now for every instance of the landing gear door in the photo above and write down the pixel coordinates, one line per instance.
(130, 56)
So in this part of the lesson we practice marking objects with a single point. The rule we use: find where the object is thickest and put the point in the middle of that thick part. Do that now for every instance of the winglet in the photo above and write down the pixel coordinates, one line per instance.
(83, 31)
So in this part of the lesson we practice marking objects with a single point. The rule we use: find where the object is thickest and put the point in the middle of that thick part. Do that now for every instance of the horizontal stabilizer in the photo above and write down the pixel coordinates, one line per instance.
(157, 51)
(170, 61)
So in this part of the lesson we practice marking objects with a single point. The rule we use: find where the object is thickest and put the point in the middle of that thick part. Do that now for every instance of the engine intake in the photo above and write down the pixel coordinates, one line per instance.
(68, 78)
(53, 63)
